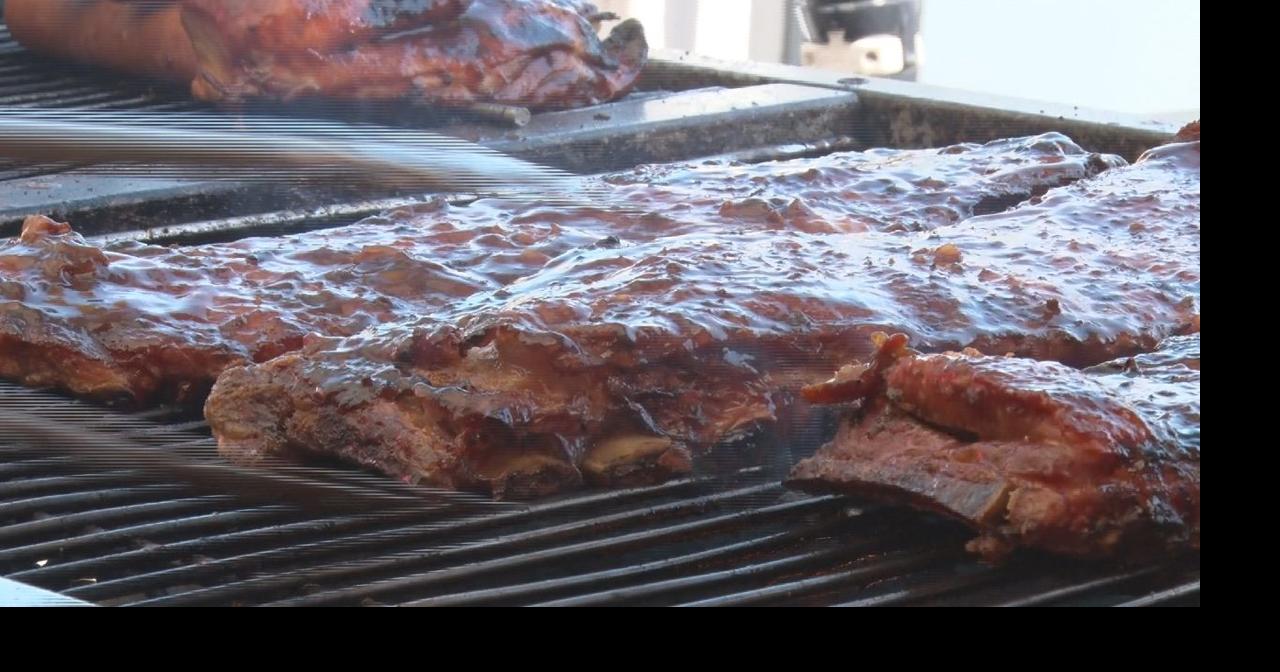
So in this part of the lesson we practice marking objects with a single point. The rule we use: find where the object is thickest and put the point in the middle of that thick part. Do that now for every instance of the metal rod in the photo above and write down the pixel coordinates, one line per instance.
(267, 151)
(518, 117)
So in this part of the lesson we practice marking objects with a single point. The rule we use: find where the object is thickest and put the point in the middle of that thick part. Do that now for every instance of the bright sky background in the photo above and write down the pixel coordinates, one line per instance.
(1139, 56)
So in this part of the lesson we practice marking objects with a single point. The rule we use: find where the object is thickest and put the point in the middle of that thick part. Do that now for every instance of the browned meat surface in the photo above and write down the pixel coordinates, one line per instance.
(1122, 246)
(1098, 463)
(521, 348)
(145, 324)
(144, 38)
(151, 323)
(674, 346)
(324, 26)
(536, 53)
(852, 192)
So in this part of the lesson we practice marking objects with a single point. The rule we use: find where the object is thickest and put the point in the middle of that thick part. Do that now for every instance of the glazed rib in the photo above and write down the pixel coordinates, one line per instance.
(1098, 463)
(632, 361)
(323, 26)
(153, 324)
(536, 53)
(145, 324)
(521, 349)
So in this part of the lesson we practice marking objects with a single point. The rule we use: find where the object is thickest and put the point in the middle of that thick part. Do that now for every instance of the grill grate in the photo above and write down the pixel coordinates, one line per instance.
(717, 540)
(28, 82)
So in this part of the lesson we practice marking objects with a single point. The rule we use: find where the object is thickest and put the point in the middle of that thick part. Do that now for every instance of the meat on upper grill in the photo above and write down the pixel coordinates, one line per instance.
(521, 348)
(536, 53)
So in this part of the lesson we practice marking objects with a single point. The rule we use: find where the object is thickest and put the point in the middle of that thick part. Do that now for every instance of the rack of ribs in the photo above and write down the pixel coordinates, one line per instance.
(1102, 462)
(521, 349)
(535, 53)
(149, 324)
(619, 364)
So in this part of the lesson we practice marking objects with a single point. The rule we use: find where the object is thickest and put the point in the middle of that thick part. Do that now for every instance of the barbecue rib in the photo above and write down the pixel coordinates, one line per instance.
(323, 26)
(537, 53)
(1098, 463)
(143, 324)
(534, 53)
(519, 348)
(623, 362)
(148, 324)
(877, 189)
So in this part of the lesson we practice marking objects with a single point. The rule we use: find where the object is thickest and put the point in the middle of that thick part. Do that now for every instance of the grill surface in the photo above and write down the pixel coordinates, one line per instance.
(121, 537)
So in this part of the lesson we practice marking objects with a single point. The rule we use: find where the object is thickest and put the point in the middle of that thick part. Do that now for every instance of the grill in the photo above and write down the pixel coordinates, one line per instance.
(120, 537)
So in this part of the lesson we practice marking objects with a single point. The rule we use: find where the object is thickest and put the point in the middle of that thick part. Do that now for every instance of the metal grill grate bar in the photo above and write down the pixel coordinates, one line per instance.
(1076, 589)
(35, 529)
(863, 572)
(950, 584)
(523, 593)
(409, 559)
(83, 500)
(1165, 597)
(168, 528)
(617, 544)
